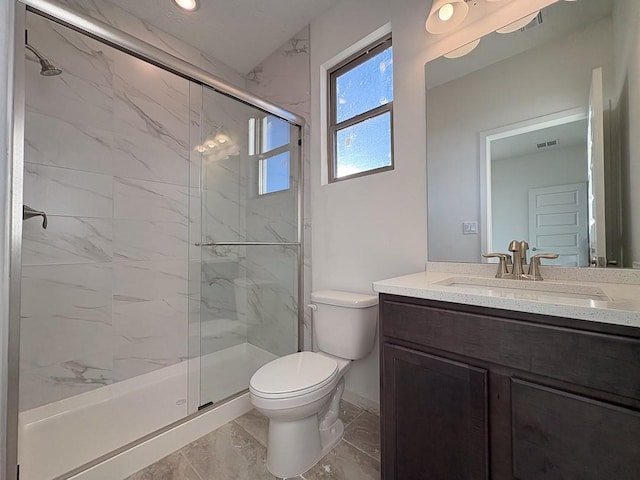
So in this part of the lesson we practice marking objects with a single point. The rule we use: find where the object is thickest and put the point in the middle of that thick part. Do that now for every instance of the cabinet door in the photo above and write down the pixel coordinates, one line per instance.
(559, 435)
(434, 417)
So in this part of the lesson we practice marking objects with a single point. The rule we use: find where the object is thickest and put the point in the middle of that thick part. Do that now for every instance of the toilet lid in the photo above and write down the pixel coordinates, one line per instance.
(294, 374)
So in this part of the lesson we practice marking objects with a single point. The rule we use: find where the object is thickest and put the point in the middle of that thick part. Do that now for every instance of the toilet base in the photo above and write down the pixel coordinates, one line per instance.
(330, 438)
(295, 446)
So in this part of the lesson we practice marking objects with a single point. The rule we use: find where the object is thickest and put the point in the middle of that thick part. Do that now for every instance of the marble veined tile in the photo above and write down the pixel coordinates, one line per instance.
(149, 240)
(61, 191)
(50, 140)
(67, 240)
(165, 94)
(139, 156)
(72, 99)
(151, 116)
(256, 424)
(364, 433)
(228, 453)
(222, 217)
(150, 335)
(345, 462)
(219, 333)
(56, 340)
(144, 200)
(76, 54)
(157, 318)
(77, 293)
(40, 386)
(140, 281)
(349, 412)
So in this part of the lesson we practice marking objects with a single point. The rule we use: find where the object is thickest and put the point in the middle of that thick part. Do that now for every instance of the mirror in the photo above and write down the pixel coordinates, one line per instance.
(534, 135)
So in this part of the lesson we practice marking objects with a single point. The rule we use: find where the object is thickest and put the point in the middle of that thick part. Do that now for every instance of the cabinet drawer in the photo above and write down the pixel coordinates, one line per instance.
(604, 362)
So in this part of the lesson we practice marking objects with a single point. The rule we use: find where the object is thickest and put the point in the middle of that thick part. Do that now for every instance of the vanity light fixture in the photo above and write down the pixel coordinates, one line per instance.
(445, 15)
(188, 5)
(463, 50)
(518, 24)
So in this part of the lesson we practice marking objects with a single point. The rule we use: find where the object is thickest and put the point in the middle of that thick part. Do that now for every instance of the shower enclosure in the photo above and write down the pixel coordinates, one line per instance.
(170, 268)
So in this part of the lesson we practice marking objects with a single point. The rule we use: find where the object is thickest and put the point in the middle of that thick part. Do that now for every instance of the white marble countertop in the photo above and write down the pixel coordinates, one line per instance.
(622, 307)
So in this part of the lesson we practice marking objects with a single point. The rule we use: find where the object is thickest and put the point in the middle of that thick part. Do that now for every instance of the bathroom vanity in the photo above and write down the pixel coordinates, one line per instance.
(479, 382)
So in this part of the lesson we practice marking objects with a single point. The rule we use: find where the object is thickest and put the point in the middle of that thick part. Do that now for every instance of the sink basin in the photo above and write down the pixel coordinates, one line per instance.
(526, 289)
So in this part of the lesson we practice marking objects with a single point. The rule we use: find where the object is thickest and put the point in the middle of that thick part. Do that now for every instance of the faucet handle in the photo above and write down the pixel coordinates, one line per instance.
(534, 264)
(505, 260)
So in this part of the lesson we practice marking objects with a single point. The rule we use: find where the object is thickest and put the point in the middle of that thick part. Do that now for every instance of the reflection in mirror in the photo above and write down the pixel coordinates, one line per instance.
(533, 135)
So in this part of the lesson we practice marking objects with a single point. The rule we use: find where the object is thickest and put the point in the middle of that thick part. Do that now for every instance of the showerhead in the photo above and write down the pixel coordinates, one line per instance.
(47, 69)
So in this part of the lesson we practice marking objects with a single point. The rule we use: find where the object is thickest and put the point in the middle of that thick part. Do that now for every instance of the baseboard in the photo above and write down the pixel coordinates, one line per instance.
(362, 402)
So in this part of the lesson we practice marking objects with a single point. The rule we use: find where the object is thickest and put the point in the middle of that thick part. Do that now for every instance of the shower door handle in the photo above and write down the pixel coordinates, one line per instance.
(28, 212)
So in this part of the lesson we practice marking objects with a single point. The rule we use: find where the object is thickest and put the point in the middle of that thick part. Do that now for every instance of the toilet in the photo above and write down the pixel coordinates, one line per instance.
(300, 393)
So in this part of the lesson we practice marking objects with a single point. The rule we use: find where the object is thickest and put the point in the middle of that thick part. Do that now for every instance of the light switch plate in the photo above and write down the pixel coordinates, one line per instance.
(469, 228)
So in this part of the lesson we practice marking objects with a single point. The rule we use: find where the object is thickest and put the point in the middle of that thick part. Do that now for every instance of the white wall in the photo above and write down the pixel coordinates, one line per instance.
(523, 87)
(371, 227)
(374, 227)
(512, 178)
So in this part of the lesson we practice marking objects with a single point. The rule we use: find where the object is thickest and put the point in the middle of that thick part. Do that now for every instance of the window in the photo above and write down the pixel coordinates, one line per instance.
(269, 137)
(361, 113)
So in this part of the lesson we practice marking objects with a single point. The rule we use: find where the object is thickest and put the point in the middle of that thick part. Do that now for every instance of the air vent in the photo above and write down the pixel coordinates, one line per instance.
(548, 143)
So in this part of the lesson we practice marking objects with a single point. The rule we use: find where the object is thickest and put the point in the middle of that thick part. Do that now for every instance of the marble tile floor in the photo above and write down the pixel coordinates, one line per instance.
(237, 451)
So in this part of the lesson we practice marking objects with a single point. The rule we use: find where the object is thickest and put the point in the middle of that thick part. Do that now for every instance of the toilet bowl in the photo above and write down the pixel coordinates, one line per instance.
(300, 393)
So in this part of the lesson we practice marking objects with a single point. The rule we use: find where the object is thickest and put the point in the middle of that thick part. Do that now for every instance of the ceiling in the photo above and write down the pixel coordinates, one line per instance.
(240, 33)
(566, 135)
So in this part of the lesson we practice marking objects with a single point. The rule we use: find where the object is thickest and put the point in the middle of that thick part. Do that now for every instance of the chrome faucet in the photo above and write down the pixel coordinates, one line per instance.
(519, 250)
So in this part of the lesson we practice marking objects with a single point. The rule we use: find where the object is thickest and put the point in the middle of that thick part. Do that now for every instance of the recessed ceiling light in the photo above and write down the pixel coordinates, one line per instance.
(189, 5)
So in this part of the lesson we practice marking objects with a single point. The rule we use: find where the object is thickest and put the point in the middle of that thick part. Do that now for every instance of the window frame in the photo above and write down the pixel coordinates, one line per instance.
(262, 157)
(346, 65)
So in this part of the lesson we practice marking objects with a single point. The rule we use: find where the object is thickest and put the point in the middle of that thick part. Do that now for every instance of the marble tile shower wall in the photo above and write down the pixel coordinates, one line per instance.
(284, 79)
(104, 294)
(249, 293)
(106, 287)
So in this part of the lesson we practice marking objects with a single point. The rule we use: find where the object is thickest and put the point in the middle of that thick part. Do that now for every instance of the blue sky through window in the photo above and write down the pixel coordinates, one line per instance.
(365, 145)
(365, 87)
(274, 170)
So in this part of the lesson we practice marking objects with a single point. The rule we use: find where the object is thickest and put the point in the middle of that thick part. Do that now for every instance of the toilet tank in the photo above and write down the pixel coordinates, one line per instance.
(345, 323)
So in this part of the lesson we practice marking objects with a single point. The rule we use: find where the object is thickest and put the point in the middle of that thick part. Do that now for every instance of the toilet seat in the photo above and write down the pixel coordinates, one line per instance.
(294, 375)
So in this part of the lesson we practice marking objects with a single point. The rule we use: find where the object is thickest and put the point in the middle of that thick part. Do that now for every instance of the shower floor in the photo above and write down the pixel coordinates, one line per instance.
(61, 436)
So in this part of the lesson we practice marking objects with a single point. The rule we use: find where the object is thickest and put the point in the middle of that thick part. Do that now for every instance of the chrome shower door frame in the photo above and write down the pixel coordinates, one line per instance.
(12, 144)
(12, 58)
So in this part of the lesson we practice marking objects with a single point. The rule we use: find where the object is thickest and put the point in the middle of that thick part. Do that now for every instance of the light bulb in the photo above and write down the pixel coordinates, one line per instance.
(221, 138)
(446, 12)
(189, 5)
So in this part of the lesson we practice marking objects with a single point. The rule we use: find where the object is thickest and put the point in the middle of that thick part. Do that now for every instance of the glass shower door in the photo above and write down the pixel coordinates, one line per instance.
(244, 271)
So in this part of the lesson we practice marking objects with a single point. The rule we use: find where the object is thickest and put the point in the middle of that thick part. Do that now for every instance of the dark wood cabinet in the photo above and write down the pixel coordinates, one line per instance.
(476, 393)
(438, 411)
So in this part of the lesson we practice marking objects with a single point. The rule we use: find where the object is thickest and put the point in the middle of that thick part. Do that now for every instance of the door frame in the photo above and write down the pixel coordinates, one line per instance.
(486, 137)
